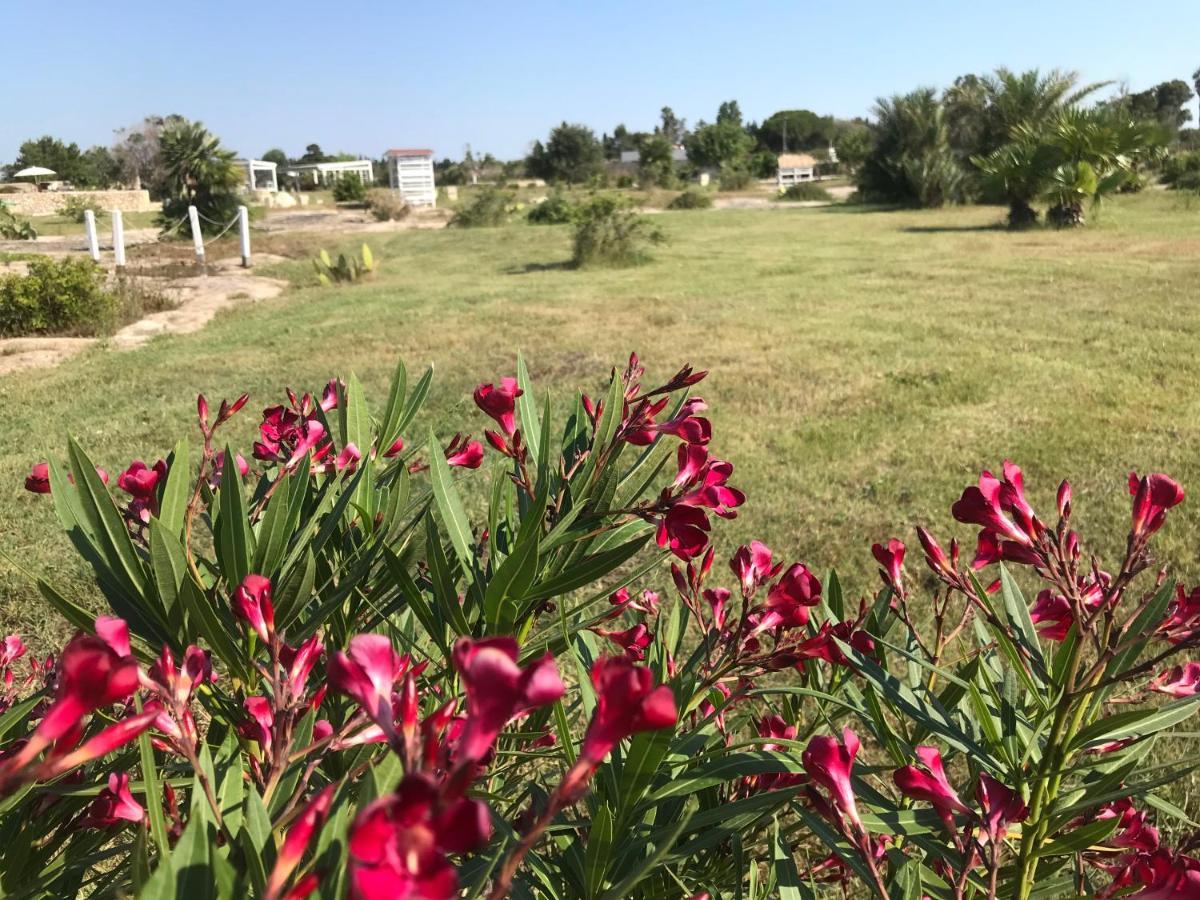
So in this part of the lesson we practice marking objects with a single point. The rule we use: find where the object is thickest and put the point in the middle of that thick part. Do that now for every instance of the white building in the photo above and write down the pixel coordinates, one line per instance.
(410, 172)
(327, 173)
(794, 168)
(633, 157)
(261, 175)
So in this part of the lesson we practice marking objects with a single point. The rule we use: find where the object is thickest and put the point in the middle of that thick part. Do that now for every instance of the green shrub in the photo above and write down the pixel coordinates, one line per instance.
(74, 206)
(1182, 171)
(735, 177)
(386, 205)
(806, 191)
(14, 229)
(609, 232)
(349, 190)
(557, 209)
(57, 297)
(692, 198)
(488, 207)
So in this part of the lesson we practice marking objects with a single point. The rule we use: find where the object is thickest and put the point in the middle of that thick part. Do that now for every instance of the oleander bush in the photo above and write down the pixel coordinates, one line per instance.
(371, 662)
(66, 296)
(386, 205)
(556, 209)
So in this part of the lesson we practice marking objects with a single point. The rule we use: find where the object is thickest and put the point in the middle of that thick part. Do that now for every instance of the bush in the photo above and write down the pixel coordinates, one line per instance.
(735, 177)
(1182, 171)
(57, 297)
(610, 232)
(386, 205)
(692, 198)
(488, 207)
(74, 207)
(349, 189)
(14, 229)
(556, 209)
(806, 191)
(319, 671)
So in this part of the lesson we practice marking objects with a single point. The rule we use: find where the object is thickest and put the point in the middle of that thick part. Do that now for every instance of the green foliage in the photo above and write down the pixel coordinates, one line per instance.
(386, 205)
(556, 209)
(853, 147)
(344, 270)
(656, 164)
(805, 190)
(692, 198)
(609, 232)
(276, 156)
(571, 154)
(14, 229)
(57, 297)
(804, 130)
(735, 176)
(1182, 171)
(720, 145)
(349, 189)
(198, 172)
(487, 207)
(74, 207)
(92, 168)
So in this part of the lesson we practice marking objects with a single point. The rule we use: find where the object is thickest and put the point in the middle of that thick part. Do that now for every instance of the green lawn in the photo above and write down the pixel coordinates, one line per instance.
(865, 364)
(55, 225)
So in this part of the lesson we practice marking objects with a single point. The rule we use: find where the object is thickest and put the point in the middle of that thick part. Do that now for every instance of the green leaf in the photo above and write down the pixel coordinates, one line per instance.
(509, 585)
(234, 540)
(388, 432)
(662, 842)
(172, 508)
(415, 401)
(787, 878)
(1135, 723)
(586, 571)
(450, 507)
(531, 427)
(154, 796)
(599, 844)
(1079, 839)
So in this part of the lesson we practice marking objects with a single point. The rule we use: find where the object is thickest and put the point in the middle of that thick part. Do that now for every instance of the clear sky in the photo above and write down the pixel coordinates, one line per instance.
(362, 77)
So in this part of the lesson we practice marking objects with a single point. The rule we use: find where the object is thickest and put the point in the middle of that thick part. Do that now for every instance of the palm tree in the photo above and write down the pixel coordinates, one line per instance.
(200, 173)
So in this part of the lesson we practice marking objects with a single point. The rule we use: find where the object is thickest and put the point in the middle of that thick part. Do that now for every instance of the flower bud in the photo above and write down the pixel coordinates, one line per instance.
(1064, 499)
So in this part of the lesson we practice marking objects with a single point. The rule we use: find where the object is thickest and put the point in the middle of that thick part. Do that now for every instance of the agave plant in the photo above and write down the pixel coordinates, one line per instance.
(345, 270)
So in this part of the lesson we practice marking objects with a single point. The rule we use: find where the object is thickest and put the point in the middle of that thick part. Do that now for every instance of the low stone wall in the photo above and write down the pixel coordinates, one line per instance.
(47, 203)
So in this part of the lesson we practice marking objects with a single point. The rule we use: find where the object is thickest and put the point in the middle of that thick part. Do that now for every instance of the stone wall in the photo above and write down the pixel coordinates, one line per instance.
(47, 203)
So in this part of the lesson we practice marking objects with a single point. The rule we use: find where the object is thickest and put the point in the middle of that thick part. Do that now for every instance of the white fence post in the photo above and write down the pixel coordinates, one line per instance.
(197, 236)
(244, 230)
(89, 221)
(118, 232)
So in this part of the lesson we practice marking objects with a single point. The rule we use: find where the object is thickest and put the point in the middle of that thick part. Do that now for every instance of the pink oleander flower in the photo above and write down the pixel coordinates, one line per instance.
(1178, 681)
(710, 489)
(790, 599)
(93, 672)
(621, 600)
(1153, 495)
(684, 531)
(367, 675)
(260, 726)
(991, 503)
(1063, 499)
(829, 764)
(931, 785)
(999, 806)
(298, 663)
(1165, 875)
(935, 556)
(627, 701)
(114, 805)
(398, 844)
(348, 459)
(499, 690)
(1134, 831)
(633, 641)
(891, 561)
(140, 481)
(38, 479)
(12, 649)
(464, 452)
(329, 396)
(1183, 616)
(1051, 614)
(686, 425)
(752, 566)
(396, 448)
(180, 683)
(718, 601)
(775, 726)
(500, 403)
(296, 842)
(252, 604)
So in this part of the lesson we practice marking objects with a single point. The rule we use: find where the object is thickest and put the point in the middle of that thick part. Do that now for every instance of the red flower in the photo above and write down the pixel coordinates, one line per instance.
(633, 641)
(252, 604)
(684, 530)
(891, 560)
(752, 566)
(464, 452)
(935, 556)
(299, 836)
(931, 785)
(1183, 616)
(500, 402)
(1152, 495)
(395, 449)
(829, 765)
(298, 662)
(1178, 681)
(626, 702)
(140, 481)
(114, 805)
(1052, 615)
(38, 479)
(91, 674)
(367, 675)
(999, 805)
(789, 599)
(985, 506)
(498, 689)
(348, 459)
(398, 844)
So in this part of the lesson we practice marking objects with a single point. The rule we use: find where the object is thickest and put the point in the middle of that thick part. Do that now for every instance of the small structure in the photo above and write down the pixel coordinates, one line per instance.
(634, 157)
(256, 167)
(795, 168)
(326, 173)
(410, 173)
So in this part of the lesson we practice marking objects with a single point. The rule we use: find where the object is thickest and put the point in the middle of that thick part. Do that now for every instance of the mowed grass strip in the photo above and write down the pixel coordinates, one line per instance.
(865, 365)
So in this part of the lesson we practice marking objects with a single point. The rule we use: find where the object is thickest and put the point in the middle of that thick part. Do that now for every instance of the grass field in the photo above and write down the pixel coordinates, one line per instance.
(54, 225)
(865, 364)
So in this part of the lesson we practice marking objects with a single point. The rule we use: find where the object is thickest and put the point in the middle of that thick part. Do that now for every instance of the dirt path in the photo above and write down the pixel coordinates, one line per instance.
(199, 299)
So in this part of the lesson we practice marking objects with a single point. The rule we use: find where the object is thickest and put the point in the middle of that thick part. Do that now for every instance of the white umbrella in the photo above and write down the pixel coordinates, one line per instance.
(34, 172)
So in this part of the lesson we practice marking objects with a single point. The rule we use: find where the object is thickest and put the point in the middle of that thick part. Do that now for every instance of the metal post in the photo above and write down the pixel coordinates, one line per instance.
(118, 232)
(89, 222)
(244, 231)
(197, 236)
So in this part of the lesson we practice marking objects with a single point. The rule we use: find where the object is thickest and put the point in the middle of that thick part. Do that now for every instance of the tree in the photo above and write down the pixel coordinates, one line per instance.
(1164, 103)
(729, 113)
(656, 164)
(719, 144)
(66, 160)
(276, 156)
(199, 172)
(671, 127)
(137, 153)
(313, 154)
(571, 154)
(795, 129)
(853, 146)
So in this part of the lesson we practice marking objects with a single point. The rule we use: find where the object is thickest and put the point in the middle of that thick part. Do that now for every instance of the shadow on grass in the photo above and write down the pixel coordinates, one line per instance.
(564, 266)
(949, 229)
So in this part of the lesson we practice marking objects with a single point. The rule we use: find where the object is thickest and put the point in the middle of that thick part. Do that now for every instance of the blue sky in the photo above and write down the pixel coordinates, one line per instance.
(361, 77)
